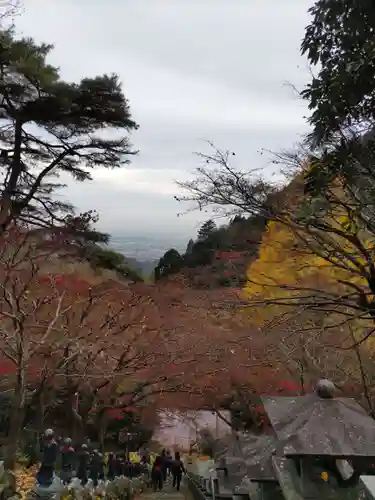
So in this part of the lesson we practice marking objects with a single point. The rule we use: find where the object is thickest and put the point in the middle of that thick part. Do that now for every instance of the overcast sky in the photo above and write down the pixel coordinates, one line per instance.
(192, 70)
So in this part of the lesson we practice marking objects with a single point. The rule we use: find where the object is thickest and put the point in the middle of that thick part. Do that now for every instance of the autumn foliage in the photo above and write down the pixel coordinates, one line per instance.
(110, 348)
(309, 290)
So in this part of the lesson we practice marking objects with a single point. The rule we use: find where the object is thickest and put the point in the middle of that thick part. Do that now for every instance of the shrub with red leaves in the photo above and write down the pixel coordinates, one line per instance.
(71, 284)
(7, 367)
(116, 413)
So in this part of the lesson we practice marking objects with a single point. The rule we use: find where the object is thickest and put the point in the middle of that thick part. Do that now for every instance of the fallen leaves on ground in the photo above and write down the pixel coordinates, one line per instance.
(25, 479)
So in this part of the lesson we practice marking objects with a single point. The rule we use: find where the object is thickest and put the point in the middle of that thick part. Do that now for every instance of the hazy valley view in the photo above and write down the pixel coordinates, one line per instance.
(144, 252)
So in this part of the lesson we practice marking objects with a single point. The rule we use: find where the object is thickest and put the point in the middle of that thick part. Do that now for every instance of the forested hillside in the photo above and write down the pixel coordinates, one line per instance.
(218, 257)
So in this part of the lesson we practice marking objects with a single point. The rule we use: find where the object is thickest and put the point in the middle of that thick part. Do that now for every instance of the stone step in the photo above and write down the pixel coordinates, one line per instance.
(167, 493)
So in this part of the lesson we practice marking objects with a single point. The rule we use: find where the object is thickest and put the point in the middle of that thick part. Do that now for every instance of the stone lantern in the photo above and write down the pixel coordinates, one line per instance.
(320, 448)
(324, 444)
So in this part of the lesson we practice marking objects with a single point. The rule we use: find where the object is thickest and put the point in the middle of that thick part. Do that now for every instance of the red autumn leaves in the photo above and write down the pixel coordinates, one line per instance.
(284, 388)
(66, 283)
(173, 338)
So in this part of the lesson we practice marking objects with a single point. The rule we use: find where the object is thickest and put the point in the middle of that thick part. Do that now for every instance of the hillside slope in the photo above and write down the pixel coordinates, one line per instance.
(219, 257)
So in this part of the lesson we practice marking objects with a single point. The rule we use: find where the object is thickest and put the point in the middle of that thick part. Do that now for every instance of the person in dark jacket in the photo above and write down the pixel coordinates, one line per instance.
(145, 455)
(157, 473)
(67, 455)
(120, 464)
(83, 464)
(178, 469)
(95, 466)
(101, 466)
(111, 467)
(169, 460)
(164, 464)
(129, 468)
(50, 451)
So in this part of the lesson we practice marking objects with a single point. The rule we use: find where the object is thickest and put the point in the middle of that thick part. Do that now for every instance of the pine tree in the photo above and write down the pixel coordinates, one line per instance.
(189, 247)
(170, 263)
(50, 127)
(206, 229)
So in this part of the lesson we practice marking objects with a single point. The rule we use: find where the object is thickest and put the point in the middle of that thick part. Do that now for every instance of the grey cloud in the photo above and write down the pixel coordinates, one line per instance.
(134, 212)
(192, 70)
(166, 145)
(247, 45)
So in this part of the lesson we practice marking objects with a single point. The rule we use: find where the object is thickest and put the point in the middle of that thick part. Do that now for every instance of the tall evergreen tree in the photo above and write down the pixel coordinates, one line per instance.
(206, 229)
(170, 263)
(49, 127)
(189, 247)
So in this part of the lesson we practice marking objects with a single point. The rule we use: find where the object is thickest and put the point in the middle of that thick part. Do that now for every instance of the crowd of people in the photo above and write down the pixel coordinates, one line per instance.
(81, 462)
(165, 465)
(85, 463)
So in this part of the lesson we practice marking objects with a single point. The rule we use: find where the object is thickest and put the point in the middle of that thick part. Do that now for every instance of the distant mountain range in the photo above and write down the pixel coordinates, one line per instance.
(144, 252)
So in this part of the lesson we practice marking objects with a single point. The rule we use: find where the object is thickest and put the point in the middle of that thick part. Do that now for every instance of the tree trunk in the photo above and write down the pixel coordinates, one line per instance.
(17, 414)
(16, 421)
(102, 424)
(39, 423)
(8, 208)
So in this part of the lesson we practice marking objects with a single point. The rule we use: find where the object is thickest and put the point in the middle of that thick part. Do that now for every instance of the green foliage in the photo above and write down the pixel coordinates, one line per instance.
(240, 235)
(340, 42)
(189, 247)
(104, 258)
(80, 229)
(70, 119)
(340, 39)
(202, 254)
(244, 234)
(206, 230)
(317, 176)
(170, 263)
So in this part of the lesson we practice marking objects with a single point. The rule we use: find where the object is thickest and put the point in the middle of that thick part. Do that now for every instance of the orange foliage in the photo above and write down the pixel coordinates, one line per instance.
(122, 342)
(124, 345)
